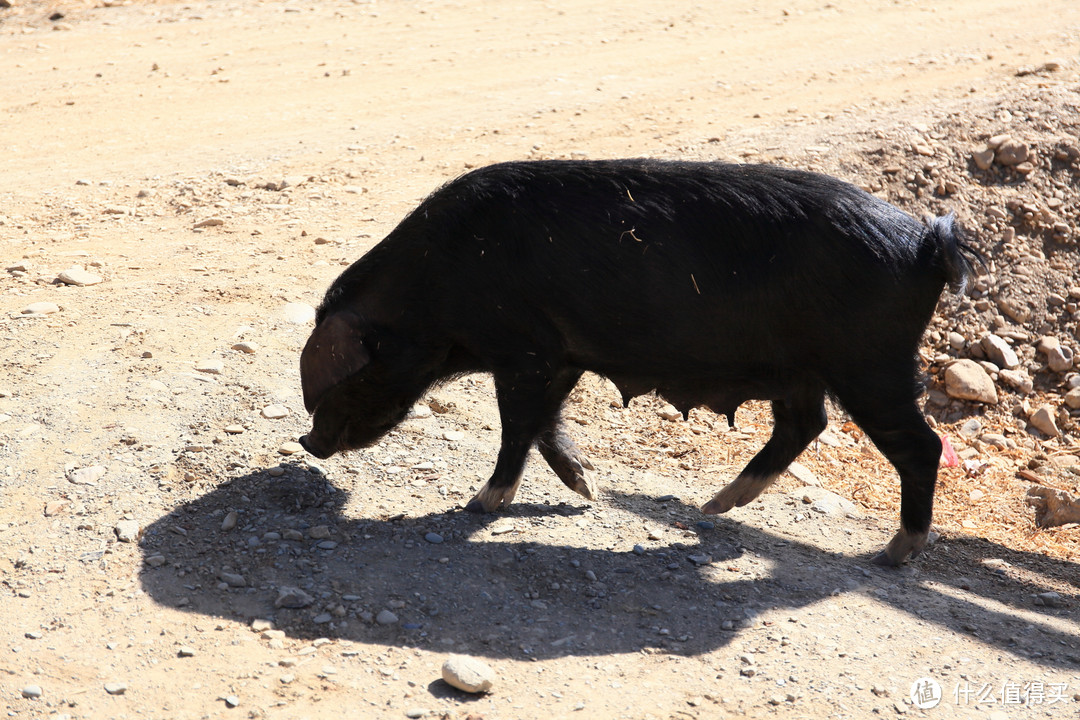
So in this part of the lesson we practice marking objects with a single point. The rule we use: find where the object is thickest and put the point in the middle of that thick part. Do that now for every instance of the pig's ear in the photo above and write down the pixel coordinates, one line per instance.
(333, 353)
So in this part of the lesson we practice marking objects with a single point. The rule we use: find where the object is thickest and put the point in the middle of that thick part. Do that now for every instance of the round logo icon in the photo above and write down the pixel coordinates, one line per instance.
(925, 693)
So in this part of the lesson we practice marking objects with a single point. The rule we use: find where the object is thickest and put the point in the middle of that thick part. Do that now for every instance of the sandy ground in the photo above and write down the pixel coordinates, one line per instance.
(216, 164)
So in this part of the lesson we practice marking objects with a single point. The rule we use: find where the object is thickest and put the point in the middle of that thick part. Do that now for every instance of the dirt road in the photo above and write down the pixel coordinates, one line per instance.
(209, 168)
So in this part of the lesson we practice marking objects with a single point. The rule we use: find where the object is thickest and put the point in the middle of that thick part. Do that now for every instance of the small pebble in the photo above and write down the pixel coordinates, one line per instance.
(275, 411)
(705, 525)
(248, 348)
(291, 448)
(434, 538)
(41, 308)
(386, 617)
(127, 531)
(415, 712)
(233, 579)
(210, 366)
(292, 597)
(420, 410)
(234, 429)
(668, 412)
(322, 618)
(453, 435)
(116, 688)
(87, 476)
(639, 550)
(31, 691)
(185, 651)
(276, 471)
(230, 521)
(232, 701)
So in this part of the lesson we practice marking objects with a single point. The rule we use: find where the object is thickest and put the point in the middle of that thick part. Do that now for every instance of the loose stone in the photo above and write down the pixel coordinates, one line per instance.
(230, 521)
(233, 579)
(434, 538)
(275, 412)
(116, 688)
(468, 674)
(87, 476)
(999, 352)
(1043, 420)
(292, 597)
(31, 691)
(41, 308)
(385, 617)
(803, 474)
(967, 380)
(127, 531)
(78, 276)
(291, 448)
(211, 366)
(668, 412)
(983, 158)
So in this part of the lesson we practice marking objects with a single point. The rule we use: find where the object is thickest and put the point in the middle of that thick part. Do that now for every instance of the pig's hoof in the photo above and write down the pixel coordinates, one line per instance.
(742, 490)
(575, 476)
(904, 546)
(490, 498)
(568, 462)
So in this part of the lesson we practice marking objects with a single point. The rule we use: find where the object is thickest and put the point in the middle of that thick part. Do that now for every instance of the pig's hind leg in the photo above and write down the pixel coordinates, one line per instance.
(888, 413)
(797, 421)
(529, 403)
(567, 460)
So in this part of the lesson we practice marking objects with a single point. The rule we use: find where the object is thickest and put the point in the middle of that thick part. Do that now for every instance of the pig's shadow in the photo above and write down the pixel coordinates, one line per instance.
(509, 585)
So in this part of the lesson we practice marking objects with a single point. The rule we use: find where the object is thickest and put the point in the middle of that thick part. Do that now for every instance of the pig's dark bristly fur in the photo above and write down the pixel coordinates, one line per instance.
(710, 283)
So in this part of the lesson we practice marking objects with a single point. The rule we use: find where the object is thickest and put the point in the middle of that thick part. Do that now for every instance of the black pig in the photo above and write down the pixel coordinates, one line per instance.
(709, 283)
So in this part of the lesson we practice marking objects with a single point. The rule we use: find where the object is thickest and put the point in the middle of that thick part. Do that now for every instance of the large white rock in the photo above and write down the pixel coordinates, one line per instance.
(76, 275)
(468, 674)
(967, 380)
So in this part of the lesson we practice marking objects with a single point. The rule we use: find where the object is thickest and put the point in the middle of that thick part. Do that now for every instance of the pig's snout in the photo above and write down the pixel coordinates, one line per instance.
(313, 447)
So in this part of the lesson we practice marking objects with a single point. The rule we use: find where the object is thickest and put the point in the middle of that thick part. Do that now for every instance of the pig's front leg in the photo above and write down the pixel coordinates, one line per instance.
(567, 460)
(529, 402)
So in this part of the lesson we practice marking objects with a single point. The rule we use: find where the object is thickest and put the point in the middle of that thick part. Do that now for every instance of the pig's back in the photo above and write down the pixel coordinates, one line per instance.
(651, 263)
